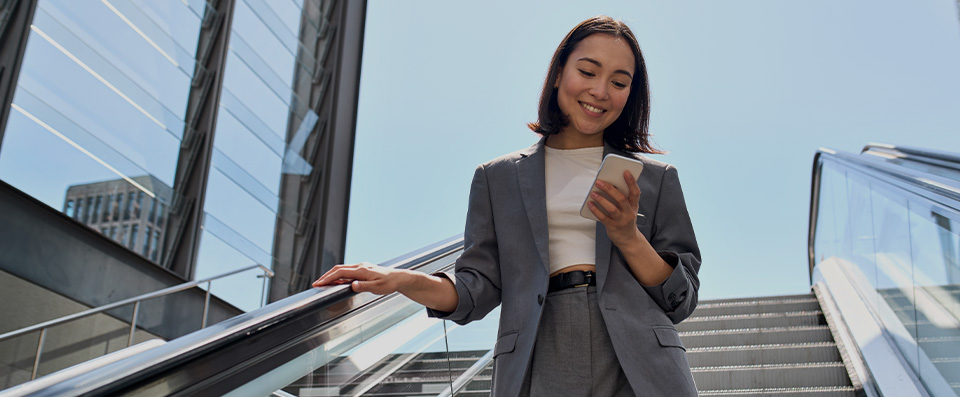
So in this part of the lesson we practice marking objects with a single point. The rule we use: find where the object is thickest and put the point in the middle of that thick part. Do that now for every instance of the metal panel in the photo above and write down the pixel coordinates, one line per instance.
(320, 200)
(15, 18)
(47, 248)
(193, 164)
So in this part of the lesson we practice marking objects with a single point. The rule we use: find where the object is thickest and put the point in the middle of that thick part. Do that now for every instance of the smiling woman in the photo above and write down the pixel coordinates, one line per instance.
(587, 307)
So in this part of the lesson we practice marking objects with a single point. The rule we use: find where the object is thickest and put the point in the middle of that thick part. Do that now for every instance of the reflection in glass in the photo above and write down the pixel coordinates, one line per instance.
(126, 210)
(904, 248)
(97, 209)
(146, 241)
(132, 244)
(136, 209)
(80, 212)
(117, 206)
(102, 95)
(106, 208)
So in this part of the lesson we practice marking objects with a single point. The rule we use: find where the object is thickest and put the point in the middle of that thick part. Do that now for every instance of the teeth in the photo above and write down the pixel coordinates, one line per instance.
(591, 108)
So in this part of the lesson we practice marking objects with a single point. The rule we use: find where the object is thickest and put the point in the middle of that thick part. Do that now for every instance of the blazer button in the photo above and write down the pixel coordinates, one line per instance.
(672, 297)
(540, 299)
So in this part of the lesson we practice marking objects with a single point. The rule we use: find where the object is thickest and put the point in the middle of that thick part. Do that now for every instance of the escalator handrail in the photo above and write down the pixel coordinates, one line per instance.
(221, 334)
(934, 188)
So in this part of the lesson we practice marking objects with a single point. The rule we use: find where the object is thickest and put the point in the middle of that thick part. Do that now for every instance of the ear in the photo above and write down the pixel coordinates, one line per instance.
(556, 83)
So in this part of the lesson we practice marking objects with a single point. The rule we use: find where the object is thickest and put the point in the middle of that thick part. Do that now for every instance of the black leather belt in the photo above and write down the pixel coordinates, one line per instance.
(576, 278)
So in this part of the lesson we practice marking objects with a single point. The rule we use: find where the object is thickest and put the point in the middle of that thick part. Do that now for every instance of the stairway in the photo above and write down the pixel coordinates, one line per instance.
(766, 346)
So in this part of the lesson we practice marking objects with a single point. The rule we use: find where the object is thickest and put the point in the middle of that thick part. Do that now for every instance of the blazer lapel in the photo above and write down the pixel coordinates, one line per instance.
(604, 245)
(532, 179)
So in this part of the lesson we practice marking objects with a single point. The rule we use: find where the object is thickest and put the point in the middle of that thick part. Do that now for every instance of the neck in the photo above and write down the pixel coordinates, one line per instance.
(566, 141)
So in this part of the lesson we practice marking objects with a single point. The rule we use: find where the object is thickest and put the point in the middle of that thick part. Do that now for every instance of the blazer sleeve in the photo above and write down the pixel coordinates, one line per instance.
(673, 238)
(477, 271)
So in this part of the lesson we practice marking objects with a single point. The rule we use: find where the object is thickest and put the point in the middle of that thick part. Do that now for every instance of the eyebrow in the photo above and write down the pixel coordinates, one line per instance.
(596, 62)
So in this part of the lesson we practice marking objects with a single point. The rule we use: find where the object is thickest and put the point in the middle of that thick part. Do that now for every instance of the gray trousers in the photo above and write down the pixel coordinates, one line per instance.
(573, 355)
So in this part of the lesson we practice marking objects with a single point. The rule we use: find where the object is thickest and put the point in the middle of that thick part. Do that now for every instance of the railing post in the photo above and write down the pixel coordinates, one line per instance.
(36, 360)
(263, 288)
(133, 323)
(206, 305)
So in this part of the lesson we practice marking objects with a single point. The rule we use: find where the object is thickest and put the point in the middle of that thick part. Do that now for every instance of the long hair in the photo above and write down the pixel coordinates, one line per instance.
(629, 132)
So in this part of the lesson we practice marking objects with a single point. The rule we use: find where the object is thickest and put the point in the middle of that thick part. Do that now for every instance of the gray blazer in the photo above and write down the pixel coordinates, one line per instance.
(505, 261)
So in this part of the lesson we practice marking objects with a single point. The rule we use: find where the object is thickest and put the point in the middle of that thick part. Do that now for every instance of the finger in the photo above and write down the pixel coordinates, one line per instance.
(601, 216)
(346, 272)
(612, 191)
(634, 190)
(333, 273)
(610, 208)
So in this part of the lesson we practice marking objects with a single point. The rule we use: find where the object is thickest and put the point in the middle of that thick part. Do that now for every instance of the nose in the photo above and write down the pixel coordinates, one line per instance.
(599, 91)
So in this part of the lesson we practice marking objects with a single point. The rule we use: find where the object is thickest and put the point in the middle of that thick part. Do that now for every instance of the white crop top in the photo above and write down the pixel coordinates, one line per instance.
(569, 175)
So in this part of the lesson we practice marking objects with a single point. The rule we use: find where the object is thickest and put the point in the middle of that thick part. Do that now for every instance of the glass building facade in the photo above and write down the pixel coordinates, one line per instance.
(197, 134)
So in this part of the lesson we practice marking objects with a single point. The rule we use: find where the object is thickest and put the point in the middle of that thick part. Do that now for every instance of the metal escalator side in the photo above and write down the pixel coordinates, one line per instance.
(884, 241)
(326, 341)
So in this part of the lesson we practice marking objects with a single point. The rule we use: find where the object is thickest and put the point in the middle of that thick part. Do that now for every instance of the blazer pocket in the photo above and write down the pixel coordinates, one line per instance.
(668, 337)
(505, 343)
(641, 220)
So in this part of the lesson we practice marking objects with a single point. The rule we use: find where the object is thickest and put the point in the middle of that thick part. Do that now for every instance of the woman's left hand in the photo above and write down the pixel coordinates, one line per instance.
(619, 213)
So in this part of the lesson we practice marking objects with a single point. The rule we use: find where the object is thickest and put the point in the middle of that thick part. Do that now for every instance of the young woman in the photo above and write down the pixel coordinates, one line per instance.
(588, 307)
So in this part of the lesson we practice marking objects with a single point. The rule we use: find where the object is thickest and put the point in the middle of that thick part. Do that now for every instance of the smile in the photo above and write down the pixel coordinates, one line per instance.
(591, 108)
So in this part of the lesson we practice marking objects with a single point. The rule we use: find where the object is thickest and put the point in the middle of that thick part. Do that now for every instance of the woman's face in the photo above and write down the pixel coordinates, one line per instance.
(593, 86)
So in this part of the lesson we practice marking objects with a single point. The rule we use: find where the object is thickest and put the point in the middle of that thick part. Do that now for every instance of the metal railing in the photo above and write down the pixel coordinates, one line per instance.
(246, 349)
(136, 300)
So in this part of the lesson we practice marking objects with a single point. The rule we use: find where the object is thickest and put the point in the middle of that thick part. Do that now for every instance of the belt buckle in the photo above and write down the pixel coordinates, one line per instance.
(581, 285)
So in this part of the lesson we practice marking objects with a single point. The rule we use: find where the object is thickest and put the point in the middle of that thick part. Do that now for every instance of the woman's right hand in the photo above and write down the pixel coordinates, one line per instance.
(364, 277)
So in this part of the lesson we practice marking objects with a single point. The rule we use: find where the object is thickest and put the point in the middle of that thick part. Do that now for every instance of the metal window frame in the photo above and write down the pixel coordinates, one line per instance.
(15, 19)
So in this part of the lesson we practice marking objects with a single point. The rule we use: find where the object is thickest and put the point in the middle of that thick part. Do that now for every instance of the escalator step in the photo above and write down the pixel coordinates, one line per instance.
(771, 376)
(756, 306)
(756, 336)
(834, 391)
(758, 320)
(764, 354)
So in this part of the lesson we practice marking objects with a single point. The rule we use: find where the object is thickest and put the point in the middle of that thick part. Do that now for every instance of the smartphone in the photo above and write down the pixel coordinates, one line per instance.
(611, 171)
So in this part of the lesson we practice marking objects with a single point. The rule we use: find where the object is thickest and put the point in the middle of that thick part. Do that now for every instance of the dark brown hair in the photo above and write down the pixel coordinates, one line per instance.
(629, 132)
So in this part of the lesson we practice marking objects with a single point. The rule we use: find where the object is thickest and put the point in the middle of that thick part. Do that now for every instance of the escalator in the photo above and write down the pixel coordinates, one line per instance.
(881, 318)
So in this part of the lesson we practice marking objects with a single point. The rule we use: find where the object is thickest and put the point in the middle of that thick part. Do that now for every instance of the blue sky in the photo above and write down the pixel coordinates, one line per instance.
(744, 93)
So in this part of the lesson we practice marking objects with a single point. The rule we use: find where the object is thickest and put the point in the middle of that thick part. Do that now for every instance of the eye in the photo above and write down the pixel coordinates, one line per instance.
(619, 84)
(586, 73)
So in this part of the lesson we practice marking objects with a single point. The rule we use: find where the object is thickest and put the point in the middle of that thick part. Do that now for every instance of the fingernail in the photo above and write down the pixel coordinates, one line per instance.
(600, 184)
(594, 194)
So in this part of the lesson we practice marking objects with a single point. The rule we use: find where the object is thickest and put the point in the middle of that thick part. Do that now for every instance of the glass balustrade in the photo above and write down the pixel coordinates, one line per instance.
(900, 249)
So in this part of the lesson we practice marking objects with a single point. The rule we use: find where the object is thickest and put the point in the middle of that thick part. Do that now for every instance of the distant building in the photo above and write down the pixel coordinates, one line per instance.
(124, 213)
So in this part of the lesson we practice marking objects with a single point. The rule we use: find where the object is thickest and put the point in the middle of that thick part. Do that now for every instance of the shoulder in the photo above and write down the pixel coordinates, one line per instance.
(508, 161)
(652, 168)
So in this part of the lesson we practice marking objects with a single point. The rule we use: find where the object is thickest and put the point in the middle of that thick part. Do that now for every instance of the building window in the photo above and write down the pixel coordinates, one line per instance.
(129, 207)
(79, 215)
(106, 209)
(160, 215)
(113, 233)
(153, 210)
(123, 234)
(156, 243)
(117, 207)
(86, 212)
(146, 242)
(103, 231)
(136, 208)
(68, 208)
(96, 209)
(133, 236)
